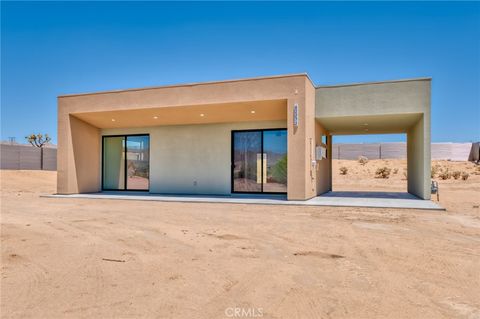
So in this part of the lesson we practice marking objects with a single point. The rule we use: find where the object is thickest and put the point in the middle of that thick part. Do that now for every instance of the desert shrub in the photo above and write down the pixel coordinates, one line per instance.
(465, 176)
(343, 170)
(456, 174)
(395, 170)
(445, 174)
(405, 175)
(363, 160)
(434, 171)
(383, 172)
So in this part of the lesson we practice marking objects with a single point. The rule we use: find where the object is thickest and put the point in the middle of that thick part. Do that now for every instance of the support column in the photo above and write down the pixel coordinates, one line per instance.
(301, 144)
(330, 159)
(324, 166)
(418, 159)
(78, 156)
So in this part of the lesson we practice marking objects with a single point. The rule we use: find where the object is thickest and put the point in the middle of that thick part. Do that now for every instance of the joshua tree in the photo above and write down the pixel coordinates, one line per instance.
(38, 140)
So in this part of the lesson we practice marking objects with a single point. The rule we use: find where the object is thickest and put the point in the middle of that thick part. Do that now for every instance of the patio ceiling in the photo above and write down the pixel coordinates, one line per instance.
(377, 124)
(194, 114)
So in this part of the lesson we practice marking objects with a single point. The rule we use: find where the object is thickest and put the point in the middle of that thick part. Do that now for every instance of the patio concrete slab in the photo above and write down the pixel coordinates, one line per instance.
(374, 199)
(344, 199)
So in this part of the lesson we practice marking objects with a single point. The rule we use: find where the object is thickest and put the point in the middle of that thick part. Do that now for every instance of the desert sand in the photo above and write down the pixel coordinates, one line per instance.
(82, 258)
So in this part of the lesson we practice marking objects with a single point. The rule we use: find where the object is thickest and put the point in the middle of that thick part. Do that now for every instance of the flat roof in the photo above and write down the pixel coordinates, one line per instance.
(374, 82)
(245, 79)
(190, 84)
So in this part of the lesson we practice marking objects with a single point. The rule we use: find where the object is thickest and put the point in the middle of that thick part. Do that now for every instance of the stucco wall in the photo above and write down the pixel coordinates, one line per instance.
(181, 155)
(418, 167)
(77, 156)
(395, 97)
(323, 169)
(302, 142)
(85, 147)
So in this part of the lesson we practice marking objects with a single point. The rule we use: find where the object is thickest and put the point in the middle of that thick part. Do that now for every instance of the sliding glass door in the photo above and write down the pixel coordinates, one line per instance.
(113, 162)
(138, 162)
(259, 161)
(247, 149)
(126, 162)
(275, 161)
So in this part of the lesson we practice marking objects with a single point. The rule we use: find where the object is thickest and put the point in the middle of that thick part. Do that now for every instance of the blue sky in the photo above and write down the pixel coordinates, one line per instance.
(53, 48)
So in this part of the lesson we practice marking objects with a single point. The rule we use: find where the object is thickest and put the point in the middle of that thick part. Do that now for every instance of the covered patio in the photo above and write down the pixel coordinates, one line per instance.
(389, 107)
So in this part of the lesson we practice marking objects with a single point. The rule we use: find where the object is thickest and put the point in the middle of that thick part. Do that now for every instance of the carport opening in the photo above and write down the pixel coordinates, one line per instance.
(370, 166)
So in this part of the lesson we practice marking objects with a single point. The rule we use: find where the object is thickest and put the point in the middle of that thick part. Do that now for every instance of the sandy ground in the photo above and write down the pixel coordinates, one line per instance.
(81, 258)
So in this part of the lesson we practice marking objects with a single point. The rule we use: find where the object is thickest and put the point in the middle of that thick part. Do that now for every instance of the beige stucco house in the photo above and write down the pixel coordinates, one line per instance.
(256, 135)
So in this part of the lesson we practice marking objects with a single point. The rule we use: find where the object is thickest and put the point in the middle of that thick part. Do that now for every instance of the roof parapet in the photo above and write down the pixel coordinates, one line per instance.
(374, 82)
(190, 84)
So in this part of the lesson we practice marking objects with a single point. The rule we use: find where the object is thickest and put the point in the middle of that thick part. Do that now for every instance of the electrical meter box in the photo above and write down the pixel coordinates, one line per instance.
(320, 153)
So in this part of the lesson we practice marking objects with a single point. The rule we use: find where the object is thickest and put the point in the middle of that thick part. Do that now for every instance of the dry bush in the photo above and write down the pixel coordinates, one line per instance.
(363, 160)
(465, 176)
(395, 170)
(383, 172)
(343, 170)
(434, 171)
(456, 174)
(445, 174)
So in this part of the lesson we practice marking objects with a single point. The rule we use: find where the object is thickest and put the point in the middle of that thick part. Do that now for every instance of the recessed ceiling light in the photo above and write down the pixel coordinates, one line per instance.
(202, 115)
(252, 111)
(113, 120)
(155, 117)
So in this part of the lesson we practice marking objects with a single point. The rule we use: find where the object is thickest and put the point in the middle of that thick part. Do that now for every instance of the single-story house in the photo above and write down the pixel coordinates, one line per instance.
(256, 135)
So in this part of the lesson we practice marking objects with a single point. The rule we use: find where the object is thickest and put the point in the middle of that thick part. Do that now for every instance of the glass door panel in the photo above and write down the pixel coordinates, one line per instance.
(138, 162)
(126, 162)
(275, 161)
(114, 163)
(247, 152)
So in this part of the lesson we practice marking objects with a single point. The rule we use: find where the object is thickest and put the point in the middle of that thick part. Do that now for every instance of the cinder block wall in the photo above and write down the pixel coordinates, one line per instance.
(440, 151)
(18, 156)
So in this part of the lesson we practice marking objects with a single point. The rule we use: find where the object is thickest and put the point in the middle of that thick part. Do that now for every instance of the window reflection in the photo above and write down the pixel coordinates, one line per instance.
(137, 162)
(275, 157)
(114, 162)
(247, 150)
